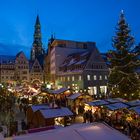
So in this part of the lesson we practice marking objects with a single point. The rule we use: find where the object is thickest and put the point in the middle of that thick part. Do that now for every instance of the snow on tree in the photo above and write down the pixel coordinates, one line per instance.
(123, 59)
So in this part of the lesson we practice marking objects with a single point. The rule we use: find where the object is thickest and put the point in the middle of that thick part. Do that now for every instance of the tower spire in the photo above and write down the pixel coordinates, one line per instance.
(37, 49)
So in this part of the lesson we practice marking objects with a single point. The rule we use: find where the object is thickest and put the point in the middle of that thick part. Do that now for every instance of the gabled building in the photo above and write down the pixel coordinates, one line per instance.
(84, 70)
(7, 68)
(21, 67)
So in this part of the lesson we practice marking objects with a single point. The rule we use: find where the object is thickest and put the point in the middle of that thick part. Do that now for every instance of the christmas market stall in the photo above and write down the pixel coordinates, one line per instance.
(51, 117)
(116, 114)
(31, 110)
(76, 102)
(96, 107)
(57, 96)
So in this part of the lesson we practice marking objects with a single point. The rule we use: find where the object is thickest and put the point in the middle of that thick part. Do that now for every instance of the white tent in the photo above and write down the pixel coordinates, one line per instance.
(95, 131)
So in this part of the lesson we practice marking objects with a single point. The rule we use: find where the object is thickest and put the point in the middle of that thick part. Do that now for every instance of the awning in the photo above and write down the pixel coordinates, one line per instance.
(74, 96)
(116, 106)
(136, 109)
(115, 100)
(98, 103)
(55, 92)
(56, 112)
(133, 103)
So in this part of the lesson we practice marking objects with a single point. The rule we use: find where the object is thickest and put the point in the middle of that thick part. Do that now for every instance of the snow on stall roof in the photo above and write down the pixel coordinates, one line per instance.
(61, 90)
(98, 103)
(116, 106)
(56, 112)
(114, 100)
(38, 107)
(136, 109)
(133, 103)
(74, 96)
(92, 131)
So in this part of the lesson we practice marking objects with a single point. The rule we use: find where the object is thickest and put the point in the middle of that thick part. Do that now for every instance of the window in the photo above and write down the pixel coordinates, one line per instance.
(100, 77)
(105, 77)
(72, 78)
(68, 78)
(95, 77)
(88, 77)
(80, 77)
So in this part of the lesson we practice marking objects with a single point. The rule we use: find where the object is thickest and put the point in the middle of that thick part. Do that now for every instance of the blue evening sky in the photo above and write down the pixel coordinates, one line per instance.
(81, 20)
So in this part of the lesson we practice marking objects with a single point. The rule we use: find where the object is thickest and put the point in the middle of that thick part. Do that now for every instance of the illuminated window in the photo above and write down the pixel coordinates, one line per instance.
(100, 77)
(80, 77)
(68, 78)
(88, 77)
(95, 77)
(105, 77)
(72, 78)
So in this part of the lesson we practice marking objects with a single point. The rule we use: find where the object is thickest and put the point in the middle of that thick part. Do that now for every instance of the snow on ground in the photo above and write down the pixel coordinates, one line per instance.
(95, 131)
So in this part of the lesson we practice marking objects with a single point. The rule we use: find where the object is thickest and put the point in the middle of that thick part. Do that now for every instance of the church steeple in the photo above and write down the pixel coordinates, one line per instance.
(37, 49)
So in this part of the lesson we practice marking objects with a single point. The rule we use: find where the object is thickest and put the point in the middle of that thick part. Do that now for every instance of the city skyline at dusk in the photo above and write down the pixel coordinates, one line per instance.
(74, 20)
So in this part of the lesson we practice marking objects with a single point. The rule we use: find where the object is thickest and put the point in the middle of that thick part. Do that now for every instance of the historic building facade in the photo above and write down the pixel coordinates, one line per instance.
(19, 68)
(77, 65)
(7, 68)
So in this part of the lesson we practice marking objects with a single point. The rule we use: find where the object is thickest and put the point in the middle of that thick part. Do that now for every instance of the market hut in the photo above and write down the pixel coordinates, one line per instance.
(76, 102)
(115, 112)
(96, 107)
(134, 116)
(56, 95)
(50, 117)
(32, 109)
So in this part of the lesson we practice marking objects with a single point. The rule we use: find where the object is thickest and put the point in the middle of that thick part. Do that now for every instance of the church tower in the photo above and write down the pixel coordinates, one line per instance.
(37, 49)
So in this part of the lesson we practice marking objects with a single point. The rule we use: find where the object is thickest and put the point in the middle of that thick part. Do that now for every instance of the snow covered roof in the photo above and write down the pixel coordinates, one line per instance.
(56, 112)
(136, 109)
(98, 103)
(7, 59)
(38, 107)
(95, 131)
(75, 59)
(74, 96)
(61, 90)
(116, 106)
(133, 103)
(114, 100)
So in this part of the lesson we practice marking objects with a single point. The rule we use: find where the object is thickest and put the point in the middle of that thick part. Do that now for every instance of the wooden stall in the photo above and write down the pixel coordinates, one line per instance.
(48, 117)
(32, 109)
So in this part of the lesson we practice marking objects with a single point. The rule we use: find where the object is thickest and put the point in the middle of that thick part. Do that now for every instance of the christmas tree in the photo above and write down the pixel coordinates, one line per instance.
(124, 61)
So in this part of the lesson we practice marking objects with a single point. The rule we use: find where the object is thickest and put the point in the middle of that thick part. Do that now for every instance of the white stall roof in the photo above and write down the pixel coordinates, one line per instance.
(56, 112)
(1, 137)
(74, 96)
(38, 107)
(136, 109)
(98, 103)
(61, 90)
(133, 103)
(116, 106)
(115, 100)
(95, 131)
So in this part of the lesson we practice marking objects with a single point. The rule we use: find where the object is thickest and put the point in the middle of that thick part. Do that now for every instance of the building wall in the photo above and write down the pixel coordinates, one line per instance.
(36, 72)
(22, 68)
(7, 72)
(58, 55)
